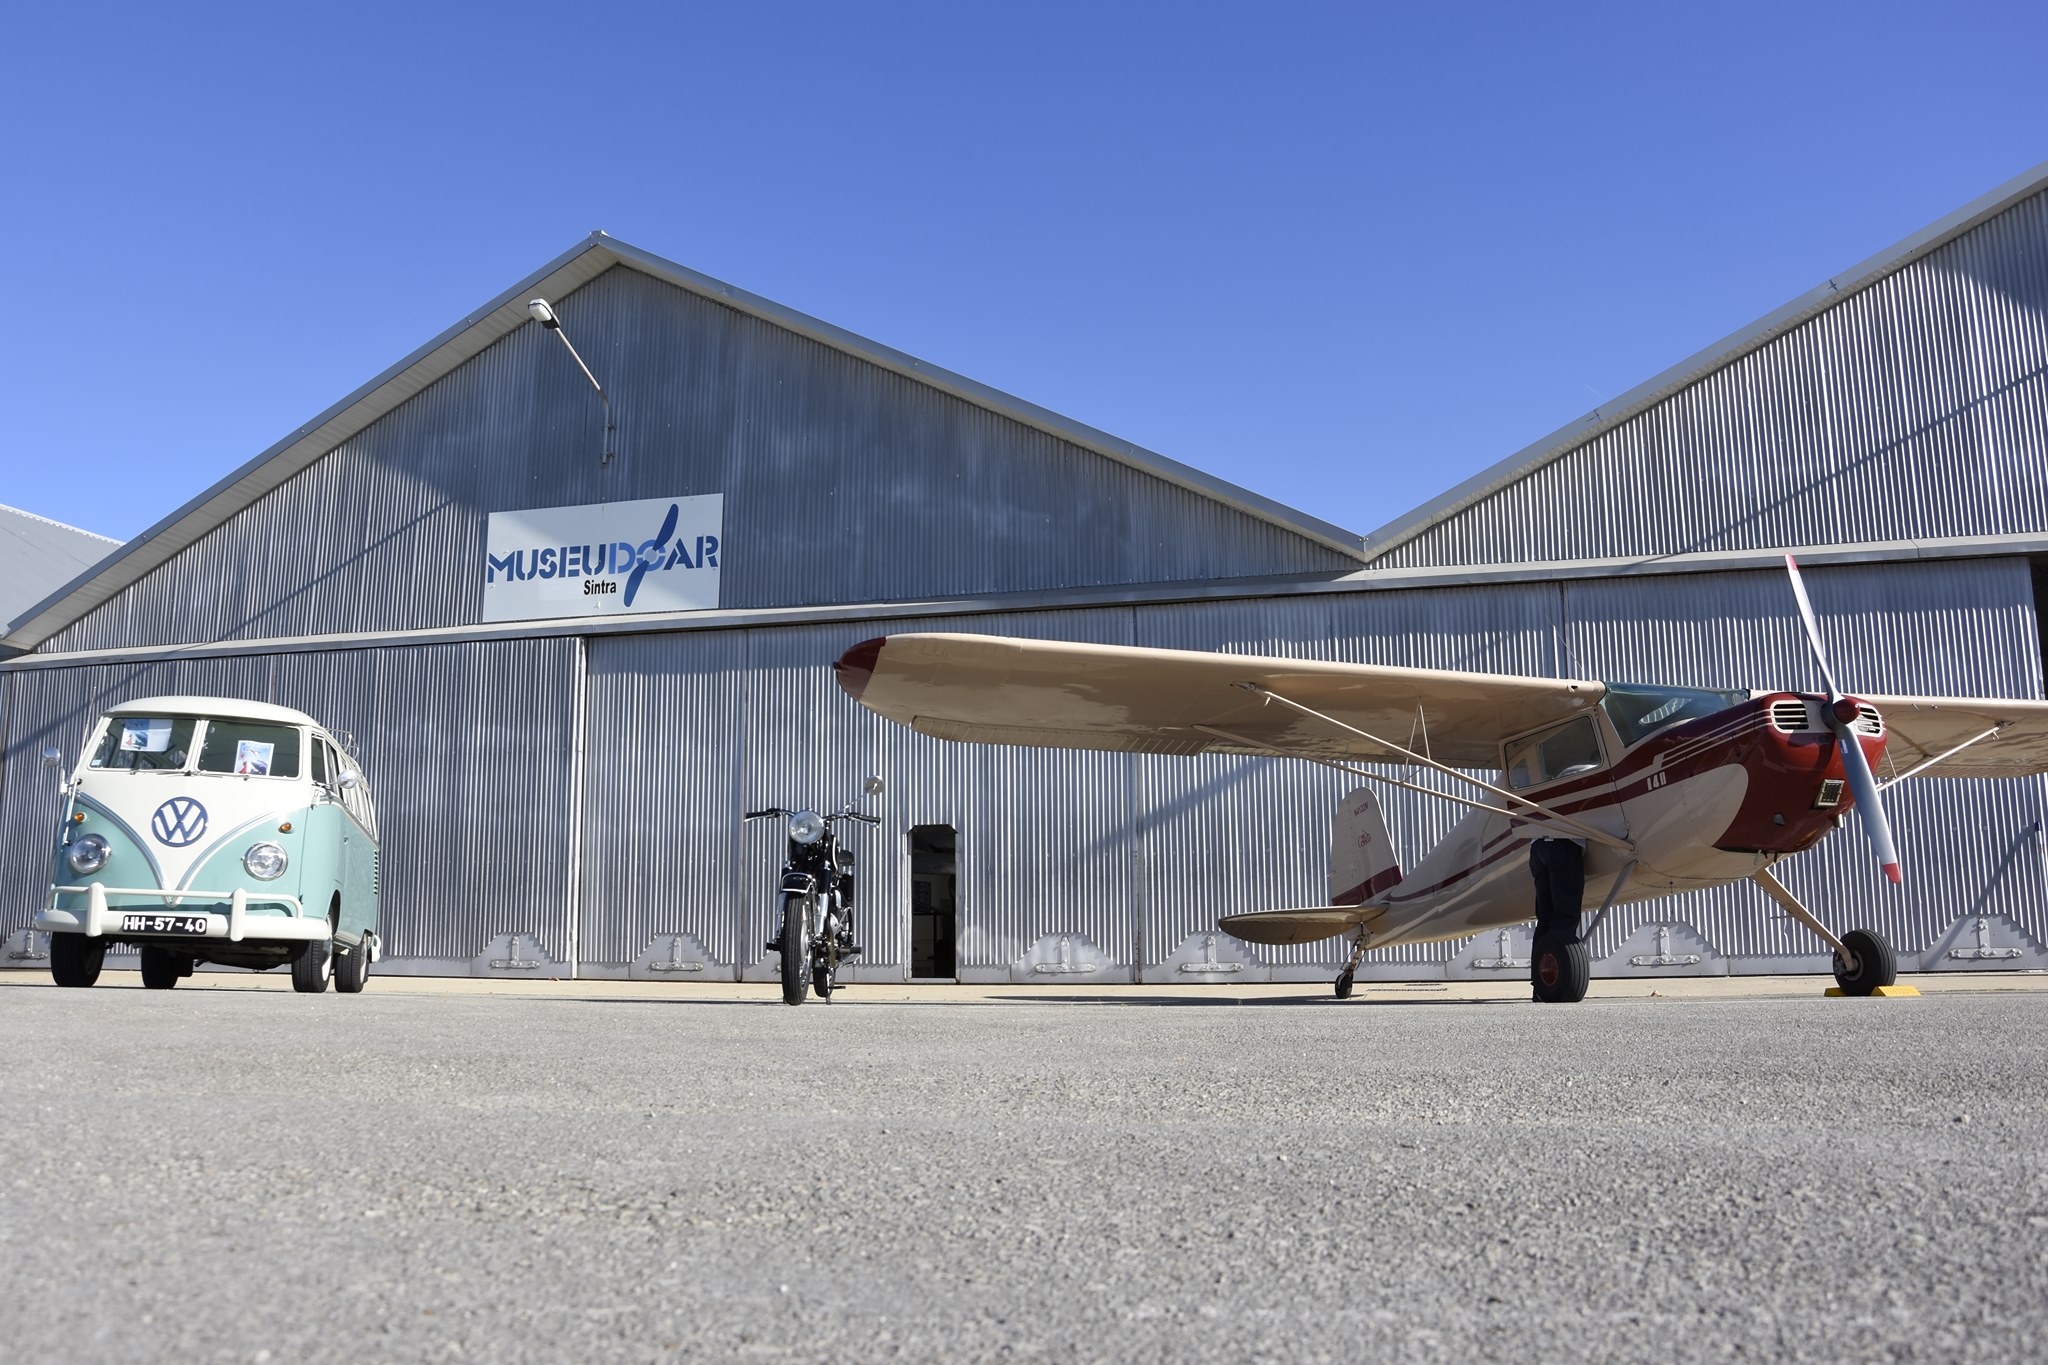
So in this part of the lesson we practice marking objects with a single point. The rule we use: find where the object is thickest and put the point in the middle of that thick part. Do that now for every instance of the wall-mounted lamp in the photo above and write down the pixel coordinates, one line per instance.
(545, 316)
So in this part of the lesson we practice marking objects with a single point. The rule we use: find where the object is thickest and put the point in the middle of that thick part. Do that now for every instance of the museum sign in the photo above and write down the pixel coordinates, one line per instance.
(603, 559)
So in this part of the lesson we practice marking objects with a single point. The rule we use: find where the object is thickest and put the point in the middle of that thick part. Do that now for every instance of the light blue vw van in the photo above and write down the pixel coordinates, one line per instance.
(210, 829)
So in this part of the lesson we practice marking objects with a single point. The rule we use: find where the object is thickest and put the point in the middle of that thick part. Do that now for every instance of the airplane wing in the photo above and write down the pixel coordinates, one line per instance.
(1060, 695)
(1922, 727)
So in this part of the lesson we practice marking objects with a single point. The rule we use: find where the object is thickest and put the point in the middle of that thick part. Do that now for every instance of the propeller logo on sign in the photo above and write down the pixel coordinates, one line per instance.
(179, 821)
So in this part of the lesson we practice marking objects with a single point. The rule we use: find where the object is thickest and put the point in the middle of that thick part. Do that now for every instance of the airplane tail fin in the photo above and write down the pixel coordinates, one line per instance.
(1362, 860)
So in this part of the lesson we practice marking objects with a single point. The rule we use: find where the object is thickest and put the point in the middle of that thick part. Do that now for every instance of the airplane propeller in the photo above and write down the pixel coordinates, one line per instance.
(1840, 714)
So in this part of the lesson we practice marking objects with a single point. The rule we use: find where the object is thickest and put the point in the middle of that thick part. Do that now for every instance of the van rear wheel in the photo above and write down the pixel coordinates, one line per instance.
(75, 959)
(313, 965)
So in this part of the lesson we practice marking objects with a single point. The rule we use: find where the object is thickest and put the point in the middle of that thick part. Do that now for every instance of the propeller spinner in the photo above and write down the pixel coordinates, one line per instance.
(1840, 714)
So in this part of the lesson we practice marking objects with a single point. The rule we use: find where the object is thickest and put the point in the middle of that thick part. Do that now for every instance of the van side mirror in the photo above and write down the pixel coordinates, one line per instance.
(347, 779)
(53, 757)
(873, 786)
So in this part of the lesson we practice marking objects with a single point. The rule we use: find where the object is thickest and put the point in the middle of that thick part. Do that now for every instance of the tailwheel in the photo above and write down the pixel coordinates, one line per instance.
(1344, 983)
(1875, 964)
(1560, 969)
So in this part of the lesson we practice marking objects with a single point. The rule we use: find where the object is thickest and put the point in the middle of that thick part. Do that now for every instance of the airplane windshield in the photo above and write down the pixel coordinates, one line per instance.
(1639, 712)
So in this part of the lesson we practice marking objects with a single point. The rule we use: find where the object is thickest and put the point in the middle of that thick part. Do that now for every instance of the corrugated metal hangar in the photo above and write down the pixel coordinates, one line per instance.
(560, 777)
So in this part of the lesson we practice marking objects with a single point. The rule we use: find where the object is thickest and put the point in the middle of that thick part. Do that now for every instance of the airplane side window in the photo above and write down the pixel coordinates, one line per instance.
(1570, 749)
(1575, 747)
(1521, 765)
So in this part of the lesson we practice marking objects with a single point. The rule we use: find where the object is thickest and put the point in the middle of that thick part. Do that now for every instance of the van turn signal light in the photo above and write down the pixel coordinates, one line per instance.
(285, 828)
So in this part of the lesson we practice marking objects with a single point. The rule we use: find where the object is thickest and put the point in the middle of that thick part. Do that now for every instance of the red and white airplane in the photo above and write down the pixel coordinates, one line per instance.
(1607, 793)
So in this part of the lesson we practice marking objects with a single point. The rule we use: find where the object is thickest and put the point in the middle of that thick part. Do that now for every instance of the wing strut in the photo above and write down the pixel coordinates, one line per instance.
(1599, 836)
(1918, 768)
(1588, 831)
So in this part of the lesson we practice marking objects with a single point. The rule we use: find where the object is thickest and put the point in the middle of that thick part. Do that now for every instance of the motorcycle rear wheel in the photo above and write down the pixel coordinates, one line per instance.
(796, 948)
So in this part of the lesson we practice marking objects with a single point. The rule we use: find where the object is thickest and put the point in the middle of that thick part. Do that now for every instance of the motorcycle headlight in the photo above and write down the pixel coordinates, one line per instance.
(87, 854)
(265, 862)
(805, 827)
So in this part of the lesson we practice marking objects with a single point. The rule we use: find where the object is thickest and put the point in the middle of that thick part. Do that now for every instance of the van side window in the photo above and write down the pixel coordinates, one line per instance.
(319, 757)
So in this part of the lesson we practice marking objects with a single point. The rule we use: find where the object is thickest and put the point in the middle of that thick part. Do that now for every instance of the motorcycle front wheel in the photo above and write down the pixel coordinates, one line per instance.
(796, 948)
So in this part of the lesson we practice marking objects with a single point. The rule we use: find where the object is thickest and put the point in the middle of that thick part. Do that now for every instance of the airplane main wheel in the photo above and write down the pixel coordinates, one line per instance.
(1876, 965)
(1560, 970)
(1344, 983)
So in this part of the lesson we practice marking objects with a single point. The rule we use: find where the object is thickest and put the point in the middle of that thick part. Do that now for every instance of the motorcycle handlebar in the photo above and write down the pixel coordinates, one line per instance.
(840, 815)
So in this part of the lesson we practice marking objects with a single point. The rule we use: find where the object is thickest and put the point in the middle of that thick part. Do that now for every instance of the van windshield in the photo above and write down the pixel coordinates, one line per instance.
(145, 744)
(250, 749)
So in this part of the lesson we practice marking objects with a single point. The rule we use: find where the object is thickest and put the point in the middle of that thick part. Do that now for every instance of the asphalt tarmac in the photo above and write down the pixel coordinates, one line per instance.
(421, 1173)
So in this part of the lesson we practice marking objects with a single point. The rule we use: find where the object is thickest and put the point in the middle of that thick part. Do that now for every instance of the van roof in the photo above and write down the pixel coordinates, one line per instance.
(240, 708)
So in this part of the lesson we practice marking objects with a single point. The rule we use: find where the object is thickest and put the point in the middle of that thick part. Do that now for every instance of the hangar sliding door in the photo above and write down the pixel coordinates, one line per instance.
(661, 822)
(467, 748)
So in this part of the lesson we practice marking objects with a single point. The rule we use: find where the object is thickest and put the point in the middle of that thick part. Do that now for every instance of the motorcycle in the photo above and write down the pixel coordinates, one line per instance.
(816, 898)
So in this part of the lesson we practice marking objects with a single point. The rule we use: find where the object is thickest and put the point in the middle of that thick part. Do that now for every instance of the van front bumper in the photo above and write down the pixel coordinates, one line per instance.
(99, 919)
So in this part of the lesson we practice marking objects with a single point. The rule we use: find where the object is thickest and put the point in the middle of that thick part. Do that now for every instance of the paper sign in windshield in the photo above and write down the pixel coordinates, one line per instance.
(252, 756)
(145, 736)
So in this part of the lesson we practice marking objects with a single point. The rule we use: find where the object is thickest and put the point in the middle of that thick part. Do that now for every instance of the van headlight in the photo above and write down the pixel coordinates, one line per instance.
(265, 862)
(87, 854)
(805, 827)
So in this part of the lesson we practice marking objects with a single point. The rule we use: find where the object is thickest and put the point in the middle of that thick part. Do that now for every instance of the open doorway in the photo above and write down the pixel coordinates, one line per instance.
(2040, 566)
(934, 907)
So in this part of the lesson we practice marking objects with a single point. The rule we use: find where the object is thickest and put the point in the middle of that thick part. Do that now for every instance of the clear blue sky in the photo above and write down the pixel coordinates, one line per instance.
(1344, 255)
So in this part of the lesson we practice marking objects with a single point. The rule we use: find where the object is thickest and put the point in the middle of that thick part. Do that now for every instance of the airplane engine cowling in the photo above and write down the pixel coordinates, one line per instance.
(1362, 860)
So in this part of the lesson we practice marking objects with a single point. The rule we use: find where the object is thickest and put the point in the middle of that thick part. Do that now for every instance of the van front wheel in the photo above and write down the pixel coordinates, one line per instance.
(312, 967)
(161, 968)
(352, 968)
(75, 959)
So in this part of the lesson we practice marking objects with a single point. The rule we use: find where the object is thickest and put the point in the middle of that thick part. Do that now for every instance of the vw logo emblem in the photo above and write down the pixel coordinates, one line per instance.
(179, 821)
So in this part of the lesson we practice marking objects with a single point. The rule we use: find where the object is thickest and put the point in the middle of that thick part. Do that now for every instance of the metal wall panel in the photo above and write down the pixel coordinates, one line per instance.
(1954, 627)
(1223, 834)
(1071, 866)
(1915, 408)
(1040, 834)
(824, 460)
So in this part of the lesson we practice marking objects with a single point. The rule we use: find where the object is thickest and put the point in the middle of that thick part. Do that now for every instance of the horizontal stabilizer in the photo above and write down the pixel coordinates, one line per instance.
(1280, 928)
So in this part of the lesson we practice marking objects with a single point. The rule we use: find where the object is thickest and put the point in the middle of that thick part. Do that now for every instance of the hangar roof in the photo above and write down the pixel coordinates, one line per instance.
(74, 596)
(1629, 405)
(39, 556)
